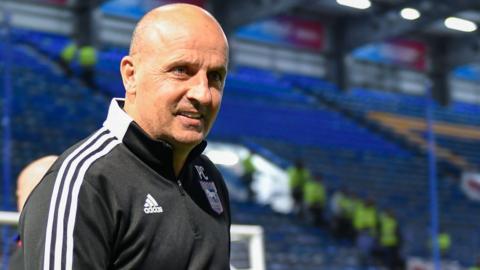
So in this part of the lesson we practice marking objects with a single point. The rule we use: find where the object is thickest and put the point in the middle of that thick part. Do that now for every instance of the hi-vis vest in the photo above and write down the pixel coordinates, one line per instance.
(388, 228)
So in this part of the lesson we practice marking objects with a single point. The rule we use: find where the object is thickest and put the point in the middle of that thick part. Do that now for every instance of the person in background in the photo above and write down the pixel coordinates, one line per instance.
(85, 56)
(247, 176)
(347, 203)
(87, 59)
(389, 241)
(30, 176)
(365, 224)
(314, 196)
(298, 175)
(27, 180)
(444, 243)
(67, 55)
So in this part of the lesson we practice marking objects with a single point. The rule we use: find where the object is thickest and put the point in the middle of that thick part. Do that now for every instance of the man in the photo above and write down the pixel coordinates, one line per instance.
(314, 197)
(298, 175)
(26, 182)
(389, 239)
(138, 194)
(247, 176)
(30, 176)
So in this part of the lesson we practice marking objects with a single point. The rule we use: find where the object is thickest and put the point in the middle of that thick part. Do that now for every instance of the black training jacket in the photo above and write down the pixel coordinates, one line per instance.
(112, 202)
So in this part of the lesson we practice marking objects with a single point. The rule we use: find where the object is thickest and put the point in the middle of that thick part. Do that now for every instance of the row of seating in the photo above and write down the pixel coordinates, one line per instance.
(397, 182)
(304, 126)
(268, 109)
(291, 245)
(48, 111)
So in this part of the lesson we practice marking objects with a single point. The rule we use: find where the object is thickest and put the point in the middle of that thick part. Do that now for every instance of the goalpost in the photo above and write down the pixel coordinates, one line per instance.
(9, 218)
(252, 237)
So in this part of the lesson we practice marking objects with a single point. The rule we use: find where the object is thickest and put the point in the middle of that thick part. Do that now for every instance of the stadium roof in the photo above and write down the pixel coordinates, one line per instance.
(348, 27)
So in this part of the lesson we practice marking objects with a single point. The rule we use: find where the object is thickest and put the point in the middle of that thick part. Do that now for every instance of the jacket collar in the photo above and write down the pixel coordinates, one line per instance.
(155, 153)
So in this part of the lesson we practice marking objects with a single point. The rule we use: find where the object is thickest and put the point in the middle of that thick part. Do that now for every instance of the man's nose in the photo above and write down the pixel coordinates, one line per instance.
(200, 89)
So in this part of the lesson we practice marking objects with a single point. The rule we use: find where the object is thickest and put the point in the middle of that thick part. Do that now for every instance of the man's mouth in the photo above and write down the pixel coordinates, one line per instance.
(192, 115)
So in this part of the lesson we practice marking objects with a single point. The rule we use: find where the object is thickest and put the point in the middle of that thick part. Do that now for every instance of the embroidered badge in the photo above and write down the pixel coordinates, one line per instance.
(210, 190)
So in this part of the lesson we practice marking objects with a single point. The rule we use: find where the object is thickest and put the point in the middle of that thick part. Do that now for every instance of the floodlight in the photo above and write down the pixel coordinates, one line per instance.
(460, 24)
(358, 4)
(410, 14)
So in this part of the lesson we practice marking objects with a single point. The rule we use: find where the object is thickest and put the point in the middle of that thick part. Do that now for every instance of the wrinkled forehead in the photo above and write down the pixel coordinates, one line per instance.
(173, 38)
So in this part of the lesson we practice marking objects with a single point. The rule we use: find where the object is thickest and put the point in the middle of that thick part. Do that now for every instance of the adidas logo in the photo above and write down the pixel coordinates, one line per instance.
(151, 206)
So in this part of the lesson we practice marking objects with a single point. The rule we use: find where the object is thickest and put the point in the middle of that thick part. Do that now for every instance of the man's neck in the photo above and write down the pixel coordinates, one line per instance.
(179, 158)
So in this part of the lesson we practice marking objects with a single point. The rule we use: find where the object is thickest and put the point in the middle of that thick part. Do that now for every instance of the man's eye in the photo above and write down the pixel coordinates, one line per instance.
(179, 70)
(215, 77)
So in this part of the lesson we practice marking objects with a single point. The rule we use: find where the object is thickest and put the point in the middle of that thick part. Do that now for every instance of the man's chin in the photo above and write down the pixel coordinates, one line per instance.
(190, 139)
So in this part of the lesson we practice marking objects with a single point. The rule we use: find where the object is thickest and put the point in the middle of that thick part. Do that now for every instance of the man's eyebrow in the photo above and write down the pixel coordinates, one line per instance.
(178, 61)
(220, 68)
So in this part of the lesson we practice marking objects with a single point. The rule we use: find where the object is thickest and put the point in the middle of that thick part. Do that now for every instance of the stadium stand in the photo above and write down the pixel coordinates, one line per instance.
(50, 112)
(352, 166)
(293, 245)
(284, 114)
(404, 114)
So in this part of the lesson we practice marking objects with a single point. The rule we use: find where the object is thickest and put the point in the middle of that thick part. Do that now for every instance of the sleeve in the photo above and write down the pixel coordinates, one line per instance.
(75, 231)
(93, 232)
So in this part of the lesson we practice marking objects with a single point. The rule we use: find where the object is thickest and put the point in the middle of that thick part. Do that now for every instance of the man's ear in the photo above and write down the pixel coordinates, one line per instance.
(127, 69)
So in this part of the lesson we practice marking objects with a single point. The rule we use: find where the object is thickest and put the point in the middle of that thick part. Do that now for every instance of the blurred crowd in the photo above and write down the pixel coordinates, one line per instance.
(349, 217)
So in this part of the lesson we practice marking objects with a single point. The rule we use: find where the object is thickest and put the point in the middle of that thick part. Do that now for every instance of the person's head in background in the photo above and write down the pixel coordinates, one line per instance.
(174, 76)
(30, 176)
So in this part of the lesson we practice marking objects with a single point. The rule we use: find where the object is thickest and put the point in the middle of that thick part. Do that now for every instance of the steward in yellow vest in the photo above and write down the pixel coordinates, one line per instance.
(314, 197)
(444, 242)
(388, 231)
(365, 217)
(297, 177)
(67, 55)
(389, 241)
(247, 176)
(87, 59)
(343, 215)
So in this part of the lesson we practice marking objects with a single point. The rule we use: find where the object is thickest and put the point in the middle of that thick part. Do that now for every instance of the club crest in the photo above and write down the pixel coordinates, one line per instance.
(210, 190)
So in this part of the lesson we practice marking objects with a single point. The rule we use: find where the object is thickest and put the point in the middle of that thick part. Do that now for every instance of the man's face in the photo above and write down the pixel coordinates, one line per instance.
(179, 80)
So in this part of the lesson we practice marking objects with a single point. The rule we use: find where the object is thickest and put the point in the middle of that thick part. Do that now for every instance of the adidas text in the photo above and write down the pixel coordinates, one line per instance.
(152, 210)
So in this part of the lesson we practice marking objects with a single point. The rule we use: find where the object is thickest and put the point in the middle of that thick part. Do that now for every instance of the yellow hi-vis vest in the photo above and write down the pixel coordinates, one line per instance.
(87, 56)
(298, 177)
(68, 52)
(358, 212)
(444, 241)
(370, 219)
(388, 229)
(313, 193)
(365, 218)
(347, 206)
(248, 166)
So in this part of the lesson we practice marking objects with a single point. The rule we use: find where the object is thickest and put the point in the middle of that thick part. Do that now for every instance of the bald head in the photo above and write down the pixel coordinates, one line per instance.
(160, 23)
(30, 176)
(175, 74)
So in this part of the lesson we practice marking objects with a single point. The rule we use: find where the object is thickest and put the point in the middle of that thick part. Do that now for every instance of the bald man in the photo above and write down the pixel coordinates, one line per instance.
(28, 178)
(138, 193)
